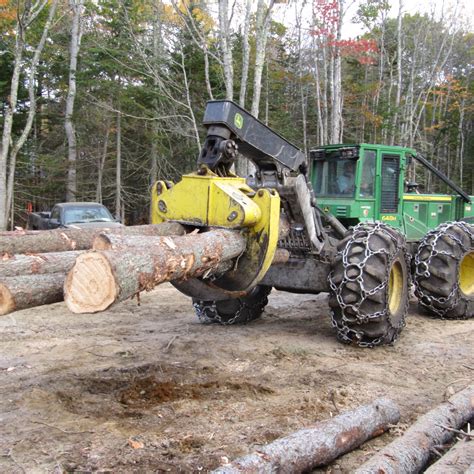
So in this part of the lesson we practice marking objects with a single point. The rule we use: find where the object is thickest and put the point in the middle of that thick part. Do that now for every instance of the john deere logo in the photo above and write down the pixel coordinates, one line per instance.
(326, 209)
(238, 121)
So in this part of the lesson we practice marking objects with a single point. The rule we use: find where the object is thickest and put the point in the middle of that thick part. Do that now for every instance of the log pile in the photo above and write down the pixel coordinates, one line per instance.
(34, 264)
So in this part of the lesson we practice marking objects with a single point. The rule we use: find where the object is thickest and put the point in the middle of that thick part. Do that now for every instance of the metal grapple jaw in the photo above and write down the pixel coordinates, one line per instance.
(204, 199)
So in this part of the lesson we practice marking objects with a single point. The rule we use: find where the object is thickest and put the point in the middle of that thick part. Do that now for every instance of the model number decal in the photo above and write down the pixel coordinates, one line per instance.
(389, 218)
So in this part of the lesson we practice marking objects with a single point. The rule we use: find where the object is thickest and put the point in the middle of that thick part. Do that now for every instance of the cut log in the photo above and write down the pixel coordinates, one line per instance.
(53, 262)
(458, 459)
(100, 278)
(30, 290)
(411, 452)
(61, 240)
(319, 444)
(106, 241)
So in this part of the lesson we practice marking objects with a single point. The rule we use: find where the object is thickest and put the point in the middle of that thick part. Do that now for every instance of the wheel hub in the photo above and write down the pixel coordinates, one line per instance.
(395, 287)
(466, 274)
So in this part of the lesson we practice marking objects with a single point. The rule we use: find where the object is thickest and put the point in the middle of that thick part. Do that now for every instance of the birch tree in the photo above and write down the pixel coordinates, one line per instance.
(226, 47)
(26, 15)
(74, 47)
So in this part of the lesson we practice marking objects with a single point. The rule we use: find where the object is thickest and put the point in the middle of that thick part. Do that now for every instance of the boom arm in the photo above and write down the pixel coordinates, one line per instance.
(228, 123)
(442, 177)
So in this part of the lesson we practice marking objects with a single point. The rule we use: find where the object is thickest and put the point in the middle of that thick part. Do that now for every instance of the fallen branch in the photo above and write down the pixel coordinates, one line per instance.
(320, 444)
(411, 452)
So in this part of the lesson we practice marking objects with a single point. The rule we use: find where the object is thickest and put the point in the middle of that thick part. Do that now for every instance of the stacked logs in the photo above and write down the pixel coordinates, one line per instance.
(34, 264)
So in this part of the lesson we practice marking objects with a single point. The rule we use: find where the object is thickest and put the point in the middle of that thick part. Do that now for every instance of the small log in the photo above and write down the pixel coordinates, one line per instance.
(100, 278)
(411, 452)
(458, 459)
(62, 240)
(106, 241)
(27, 291)
(319, 444)
(37, 264)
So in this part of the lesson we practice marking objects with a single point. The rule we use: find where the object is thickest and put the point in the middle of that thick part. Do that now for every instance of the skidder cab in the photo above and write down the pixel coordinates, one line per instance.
(367, 183)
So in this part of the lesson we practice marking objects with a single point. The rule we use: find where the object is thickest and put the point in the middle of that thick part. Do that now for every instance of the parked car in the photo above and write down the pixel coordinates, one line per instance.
(73, 215)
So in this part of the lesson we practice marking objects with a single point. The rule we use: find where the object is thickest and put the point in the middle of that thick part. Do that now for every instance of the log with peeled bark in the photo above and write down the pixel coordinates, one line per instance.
(411, 452)
(61, 240)
(319, 444)
(37, 264)
(26, 291)
(458, 459)
(100, 278)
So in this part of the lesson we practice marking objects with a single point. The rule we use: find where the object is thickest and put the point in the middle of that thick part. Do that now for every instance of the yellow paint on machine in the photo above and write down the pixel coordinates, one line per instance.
(389, 218)
(420, 197)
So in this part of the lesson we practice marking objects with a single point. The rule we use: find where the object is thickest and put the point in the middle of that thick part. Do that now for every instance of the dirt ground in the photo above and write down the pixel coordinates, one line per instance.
(149, 389)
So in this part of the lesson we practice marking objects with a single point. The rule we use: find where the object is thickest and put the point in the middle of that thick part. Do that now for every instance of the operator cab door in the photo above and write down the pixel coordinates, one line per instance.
(390, 189)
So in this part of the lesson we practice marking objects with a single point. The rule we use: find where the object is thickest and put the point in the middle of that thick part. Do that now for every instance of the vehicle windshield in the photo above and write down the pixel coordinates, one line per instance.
(335, 177)
(80, 215)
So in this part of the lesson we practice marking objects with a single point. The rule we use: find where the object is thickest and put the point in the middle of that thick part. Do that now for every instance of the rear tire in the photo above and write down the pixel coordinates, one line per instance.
(233, 311)
(369, 285)
(444, 271)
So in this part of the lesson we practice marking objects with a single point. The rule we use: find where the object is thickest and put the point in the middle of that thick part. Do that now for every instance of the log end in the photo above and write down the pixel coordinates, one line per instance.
(7, 302)
(90, 285)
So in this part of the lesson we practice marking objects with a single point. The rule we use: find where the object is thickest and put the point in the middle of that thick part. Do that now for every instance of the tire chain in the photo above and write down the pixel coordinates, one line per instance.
(361, 234)
(422, 266)
(204, 308)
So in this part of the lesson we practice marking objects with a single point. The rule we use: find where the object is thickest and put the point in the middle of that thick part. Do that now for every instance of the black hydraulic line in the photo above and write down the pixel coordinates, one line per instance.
(442, 177)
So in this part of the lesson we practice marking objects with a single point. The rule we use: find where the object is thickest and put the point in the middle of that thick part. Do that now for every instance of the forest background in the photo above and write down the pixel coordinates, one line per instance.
(99, 99)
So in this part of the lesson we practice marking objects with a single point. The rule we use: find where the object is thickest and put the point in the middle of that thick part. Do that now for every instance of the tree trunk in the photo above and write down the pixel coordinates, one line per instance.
(101, 163)
(412, 451)
(37, 264)
(27, 291)
(118, 168)
(226, 47)
(458, 459)
(76, 33)
(399, 73)
(9, 113)
(262, 27)
(319, 444)
(245, 54)
(32, 110)
(62, 240)
(99, 279)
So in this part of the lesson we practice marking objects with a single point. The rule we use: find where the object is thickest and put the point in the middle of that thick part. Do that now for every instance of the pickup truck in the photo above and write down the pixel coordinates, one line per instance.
(72, 215)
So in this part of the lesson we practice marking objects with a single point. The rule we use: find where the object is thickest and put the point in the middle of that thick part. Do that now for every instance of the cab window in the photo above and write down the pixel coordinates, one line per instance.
(367, 181)
(335, 177)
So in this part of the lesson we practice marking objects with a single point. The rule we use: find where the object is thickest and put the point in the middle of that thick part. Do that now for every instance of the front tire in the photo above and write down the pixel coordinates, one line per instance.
(369, 285)
(233, 311)
(444, 271)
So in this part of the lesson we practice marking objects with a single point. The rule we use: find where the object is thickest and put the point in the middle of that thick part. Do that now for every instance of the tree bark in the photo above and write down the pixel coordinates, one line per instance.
(319, 444)
(62, 240)
(226, 47)
(27, 291)
(458, 459)
(38, 264)
(10, 111)
(99, 279)
(412, 451)
(76, 34)
(262, 28)
(31, 112)
(245, 54)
